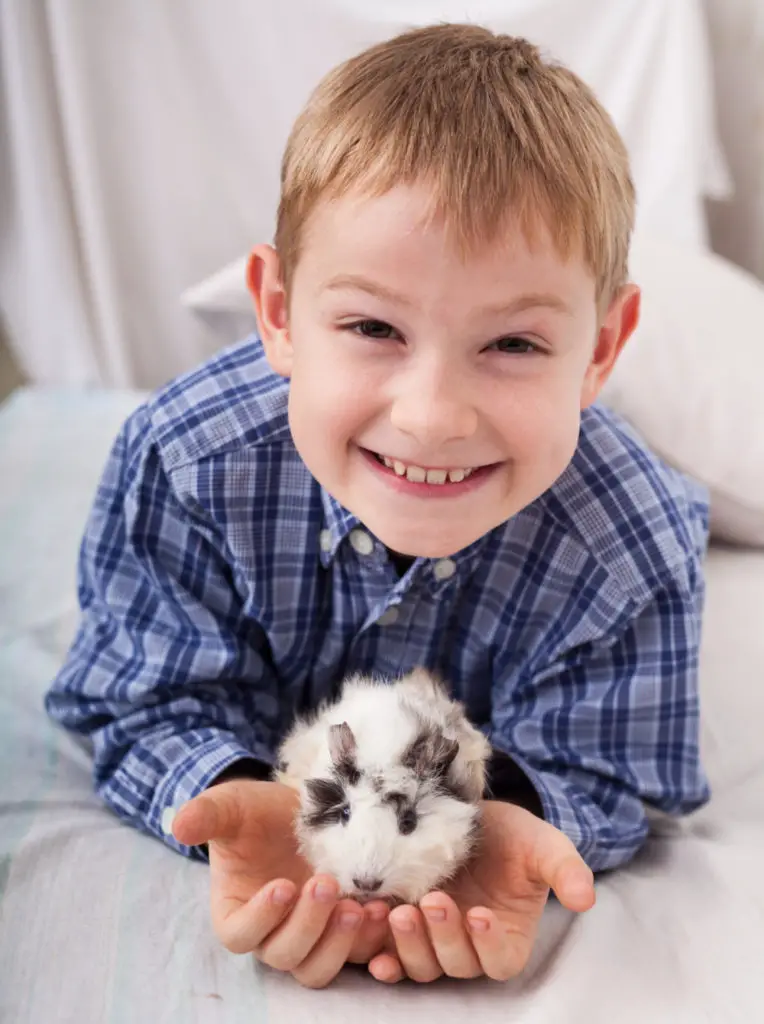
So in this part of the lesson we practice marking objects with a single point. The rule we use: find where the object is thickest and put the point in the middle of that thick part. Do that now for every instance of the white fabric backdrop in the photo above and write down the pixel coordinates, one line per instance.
(142, 143)
(736, 29)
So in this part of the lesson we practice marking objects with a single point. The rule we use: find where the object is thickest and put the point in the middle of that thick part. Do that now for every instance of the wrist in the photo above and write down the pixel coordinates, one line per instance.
(506, 782)
(244, 768)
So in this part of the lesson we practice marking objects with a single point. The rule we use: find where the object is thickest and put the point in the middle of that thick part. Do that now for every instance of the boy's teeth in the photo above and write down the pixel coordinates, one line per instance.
(437, 476)
(418, 475)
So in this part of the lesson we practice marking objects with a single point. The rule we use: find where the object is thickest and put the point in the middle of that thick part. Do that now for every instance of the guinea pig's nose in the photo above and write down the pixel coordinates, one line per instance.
(367, 884)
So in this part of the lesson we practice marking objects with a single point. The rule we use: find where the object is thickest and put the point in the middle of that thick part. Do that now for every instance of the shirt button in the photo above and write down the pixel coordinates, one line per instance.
(325, 540)
(168, 816)
(361, 542)
(444, 568)
(388, 617)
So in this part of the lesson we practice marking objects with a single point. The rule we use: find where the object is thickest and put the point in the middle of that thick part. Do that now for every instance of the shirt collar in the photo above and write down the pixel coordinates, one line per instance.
(339, 523)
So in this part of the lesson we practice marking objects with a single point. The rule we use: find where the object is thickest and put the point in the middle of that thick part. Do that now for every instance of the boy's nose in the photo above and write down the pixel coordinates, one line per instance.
(434, 411)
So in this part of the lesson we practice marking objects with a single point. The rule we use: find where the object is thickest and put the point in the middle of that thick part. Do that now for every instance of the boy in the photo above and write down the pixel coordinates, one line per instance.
(407, 467)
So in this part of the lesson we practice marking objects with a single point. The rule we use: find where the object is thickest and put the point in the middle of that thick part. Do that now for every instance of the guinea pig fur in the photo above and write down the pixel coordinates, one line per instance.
(390, 776)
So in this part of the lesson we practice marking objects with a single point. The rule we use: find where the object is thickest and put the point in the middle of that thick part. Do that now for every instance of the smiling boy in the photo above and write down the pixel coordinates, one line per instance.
(407, 466)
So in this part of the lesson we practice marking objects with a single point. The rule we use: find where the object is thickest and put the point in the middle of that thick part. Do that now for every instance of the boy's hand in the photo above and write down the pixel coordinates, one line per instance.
(490, 919)
(255, 874)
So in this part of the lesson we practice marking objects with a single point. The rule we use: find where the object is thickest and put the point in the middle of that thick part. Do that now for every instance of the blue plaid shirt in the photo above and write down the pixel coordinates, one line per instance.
(223, 590)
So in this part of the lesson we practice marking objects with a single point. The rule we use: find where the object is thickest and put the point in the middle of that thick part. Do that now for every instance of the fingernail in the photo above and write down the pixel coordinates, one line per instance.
(403, 924)
(281, 895)
(478, 924)
(435, 913)
(349, 921)
(323, 892)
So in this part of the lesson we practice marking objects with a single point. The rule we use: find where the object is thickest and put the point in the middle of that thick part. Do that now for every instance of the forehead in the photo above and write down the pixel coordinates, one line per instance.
(393, 240)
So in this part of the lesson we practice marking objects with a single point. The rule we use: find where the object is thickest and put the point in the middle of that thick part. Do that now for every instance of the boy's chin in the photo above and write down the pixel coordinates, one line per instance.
(424, 544)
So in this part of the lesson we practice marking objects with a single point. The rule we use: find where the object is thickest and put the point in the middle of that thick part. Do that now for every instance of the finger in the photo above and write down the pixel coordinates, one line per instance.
(574, 887)
(502, 954)
(387, 968)
(561, 867)
(241, 927)
(287, 947)
(413, 946)
(329, 955)
(372, 935)
(213, 814)
(218, 812)
(450, 942)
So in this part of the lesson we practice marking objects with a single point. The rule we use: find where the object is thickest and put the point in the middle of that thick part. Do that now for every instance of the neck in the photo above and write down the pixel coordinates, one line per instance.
(402, 563)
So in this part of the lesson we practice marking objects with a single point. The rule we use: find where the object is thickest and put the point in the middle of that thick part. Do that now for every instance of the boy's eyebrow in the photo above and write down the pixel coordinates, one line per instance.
(533, 300)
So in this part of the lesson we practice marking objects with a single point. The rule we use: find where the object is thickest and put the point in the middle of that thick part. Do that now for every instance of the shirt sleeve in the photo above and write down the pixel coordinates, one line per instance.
(613, 726)
(166, 674)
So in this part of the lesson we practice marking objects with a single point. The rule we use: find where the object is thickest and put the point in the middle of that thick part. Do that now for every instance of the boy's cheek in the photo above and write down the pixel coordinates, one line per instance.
(326, 384)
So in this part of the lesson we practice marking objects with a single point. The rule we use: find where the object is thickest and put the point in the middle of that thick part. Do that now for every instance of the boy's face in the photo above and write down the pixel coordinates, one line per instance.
(400, 350)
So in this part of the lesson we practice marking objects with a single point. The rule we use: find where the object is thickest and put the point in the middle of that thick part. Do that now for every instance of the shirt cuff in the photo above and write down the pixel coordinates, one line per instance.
(194, 773)
(560, 810)
(602, 843)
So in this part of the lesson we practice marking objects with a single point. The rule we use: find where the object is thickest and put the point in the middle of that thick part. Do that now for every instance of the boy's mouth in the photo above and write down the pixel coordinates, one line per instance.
(428, 482)
(422, 475)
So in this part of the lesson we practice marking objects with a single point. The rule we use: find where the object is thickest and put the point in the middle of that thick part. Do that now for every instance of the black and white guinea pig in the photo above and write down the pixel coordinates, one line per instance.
(390, 776)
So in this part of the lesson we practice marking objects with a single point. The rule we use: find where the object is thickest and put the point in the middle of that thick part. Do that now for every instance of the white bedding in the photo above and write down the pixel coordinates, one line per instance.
(102, 925)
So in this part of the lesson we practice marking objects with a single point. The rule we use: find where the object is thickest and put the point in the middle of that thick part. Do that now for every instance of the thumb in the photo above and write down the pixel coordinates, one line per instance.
(561, 867)
(214, 814)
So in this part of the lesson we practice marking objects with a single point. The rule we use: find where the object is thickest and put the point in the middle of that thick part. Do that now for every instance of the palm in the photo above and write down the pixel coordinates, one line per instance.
(501, 876)
(249, 826)
(519, 859)
(256, 843)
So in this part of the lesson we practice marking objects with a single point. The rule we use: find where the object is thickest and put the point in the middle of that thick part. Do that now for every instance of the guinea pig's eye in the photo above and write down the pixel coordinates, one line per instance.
(345, 814)
(407, 822)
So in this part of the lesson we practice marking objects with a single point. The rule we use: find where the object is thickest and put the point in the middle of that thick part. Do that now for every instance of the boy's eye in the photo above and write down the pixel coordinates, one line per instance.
(345, 814)
(514, 345)
(376, 329)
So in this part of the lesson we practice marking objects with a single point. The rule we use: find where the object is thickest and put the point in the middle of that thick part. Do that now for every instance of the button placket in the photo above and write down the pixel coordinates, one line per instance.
(389, 617)
(394, 600)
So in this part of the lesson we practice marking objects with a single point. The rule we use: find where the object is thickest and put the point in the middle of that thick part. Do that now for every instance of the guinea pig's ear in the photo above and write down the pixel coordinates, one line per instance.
(445, 753)
(342, 745)
(431, 754)
(470, 770)
(424, 680)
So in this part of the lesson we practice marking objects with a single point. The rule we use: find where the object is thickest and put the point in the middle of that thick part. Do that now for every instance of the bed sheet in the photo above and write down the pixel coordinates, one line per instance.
(100, 924)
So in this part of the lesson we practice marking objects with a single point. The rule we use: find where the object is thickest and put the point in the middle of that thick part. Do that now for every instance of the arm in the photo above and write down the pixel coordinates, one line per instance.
(166, 674)
(612, 726)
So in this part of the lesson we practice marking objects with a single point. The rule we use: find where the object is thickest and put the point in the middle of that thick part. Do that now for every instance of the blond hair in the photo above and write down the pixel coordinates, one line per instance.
(491, 129)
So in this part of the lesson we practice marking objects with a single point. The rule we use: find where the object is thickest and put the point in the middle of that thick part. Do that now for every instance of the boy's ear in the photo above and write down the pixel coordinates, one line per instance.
(265, 284)
(619, 323)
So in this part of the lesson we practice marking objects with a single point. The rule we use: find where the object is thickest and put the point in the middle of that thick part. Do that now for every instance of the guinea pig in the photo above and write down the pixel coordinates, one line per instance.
(390, 776)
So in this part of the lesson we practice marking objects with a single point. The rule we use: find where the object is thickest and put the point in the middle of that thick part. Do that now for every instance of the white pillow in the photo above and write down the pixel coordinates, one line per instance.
(690, 380)
(222, 301)
(225, 291)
